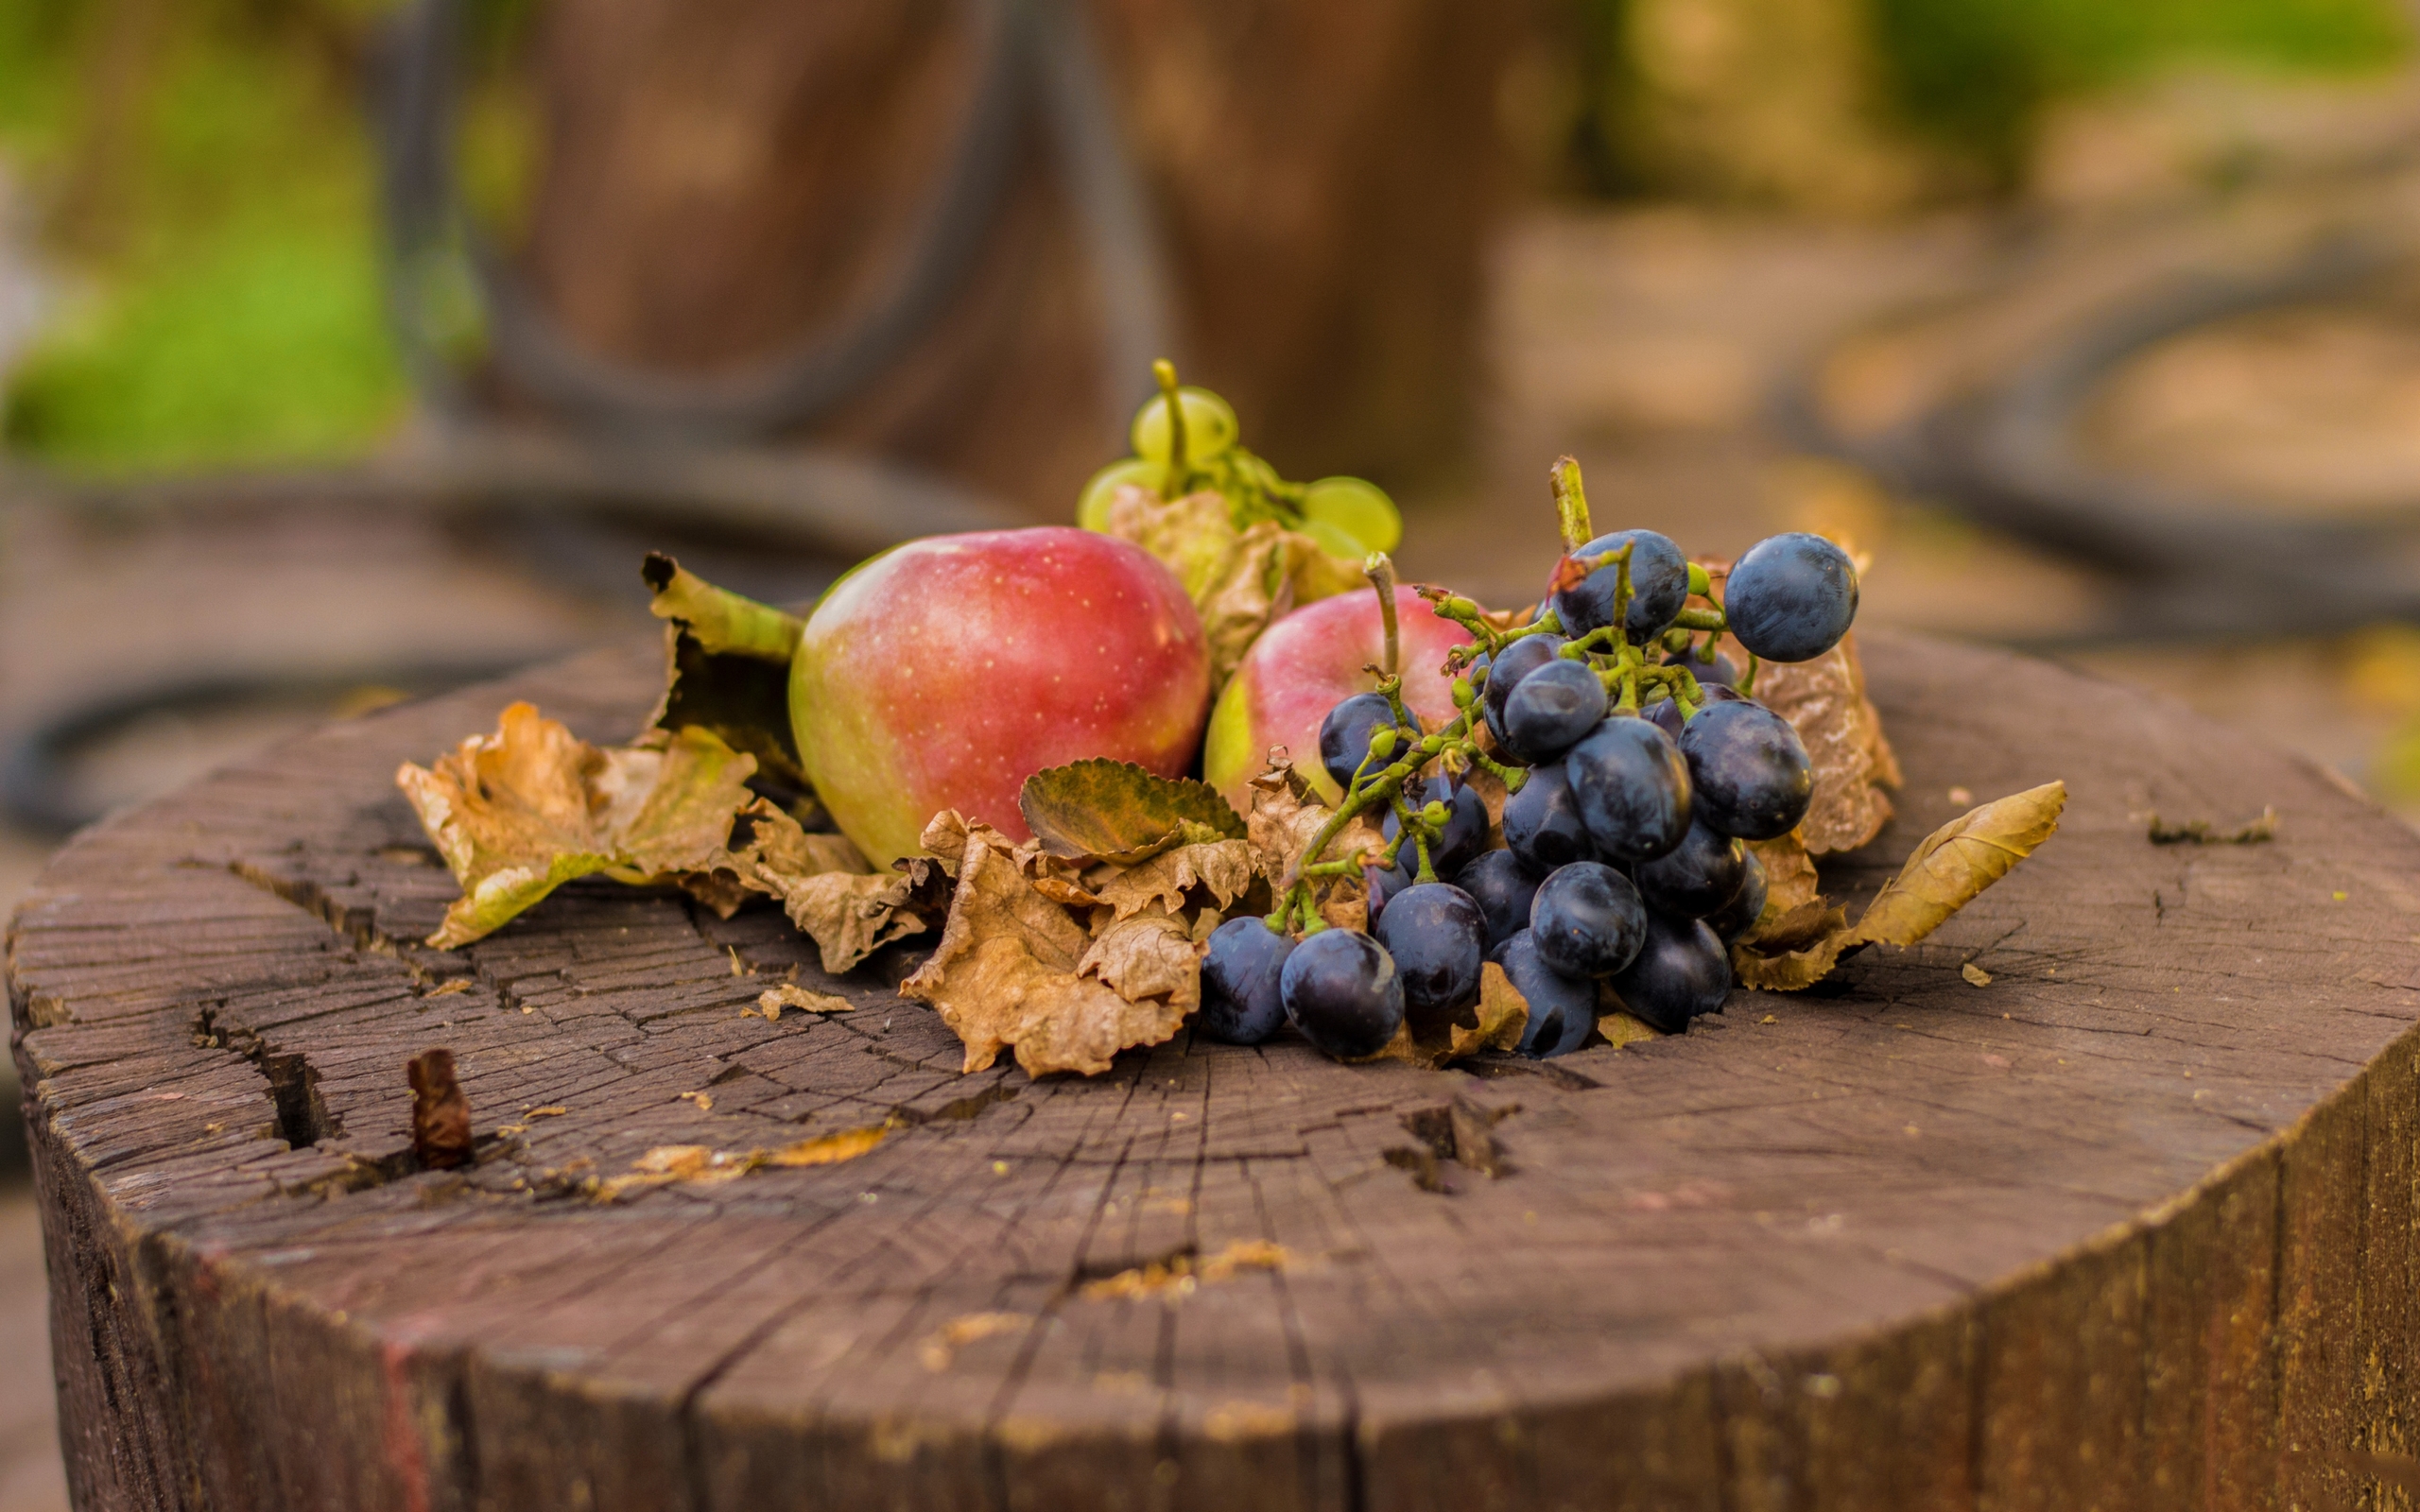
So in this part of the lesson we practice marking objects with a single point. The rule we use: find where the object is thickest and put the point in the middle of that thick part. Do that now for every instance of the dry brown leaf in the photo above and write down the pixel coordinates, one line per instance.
(519, 812)
(1953, 865)
(1222, 870)
(1789, 874)
(850, 916)
(1148, 956)
(1286, 815)
(1007, 974)
(1824, 701)
(441, 1112)
(774, 999)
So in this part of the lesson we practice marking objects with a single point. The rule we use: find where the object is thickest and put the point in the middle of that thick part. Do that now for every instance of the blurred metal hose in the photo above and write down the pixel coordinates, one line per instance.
(1029, 53)
(2198, 566)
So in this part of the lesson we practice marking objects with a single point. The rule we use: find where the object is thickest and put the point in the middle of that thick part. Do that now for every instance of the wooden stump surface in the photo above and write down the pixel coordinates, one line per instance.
(2132, 1226)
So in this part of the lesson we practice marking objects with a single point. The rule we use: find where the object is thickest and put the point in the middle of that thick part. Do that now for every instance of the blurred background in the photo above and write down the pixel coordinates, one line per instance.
(353, 349)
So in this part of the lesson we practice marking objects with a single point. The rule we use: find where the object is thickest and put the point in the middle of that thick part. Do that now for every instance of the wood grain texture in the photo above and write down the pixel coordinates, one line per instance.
(2130, 1228)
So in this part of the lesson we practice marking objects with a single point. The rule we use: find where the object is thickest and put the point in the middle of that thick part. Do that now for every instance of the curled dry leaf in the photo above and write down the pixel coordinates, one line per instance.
(1115, 811)
(519, 812)
(1239, 580)
(1953, 865)
(850, 916)
(1150, 955)
(1009, 971)
(1824, 701)
(727, 666)
(1220, 871)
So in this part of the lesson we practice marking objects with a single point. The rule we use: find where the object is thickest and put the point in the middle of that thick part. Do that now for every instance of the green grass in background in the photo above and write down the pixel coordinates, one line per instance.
(1976, 74)
(221, 302)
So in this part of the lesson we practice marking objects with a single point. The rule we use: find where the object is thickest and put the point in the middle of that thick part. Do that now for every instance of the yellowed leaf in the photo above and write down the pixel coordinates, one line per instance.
(519, 812)
(941, 1347)
(1975, 976)
(774, 999)
(1498, 1019)
(1117, 811)
(827, 1149)
(1183, 1274)
(1619, 1028)
(1953, 865)
(702, 1164)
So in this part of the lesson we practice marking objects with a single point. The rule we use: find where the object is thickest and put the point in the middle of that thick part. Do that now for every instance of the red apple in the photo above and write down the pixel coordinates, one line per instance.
(1309, 662)
(943, 673)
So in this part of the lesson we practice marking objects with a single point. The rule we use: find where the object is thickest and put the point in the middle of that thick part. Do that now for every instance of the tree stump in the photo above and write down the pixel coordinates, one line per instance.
(2130, 1227)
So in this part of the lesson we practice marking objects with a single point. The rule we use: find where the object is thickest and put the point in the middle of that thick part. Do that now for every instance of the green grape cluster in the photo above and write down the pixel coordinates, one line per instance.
(1186, 439)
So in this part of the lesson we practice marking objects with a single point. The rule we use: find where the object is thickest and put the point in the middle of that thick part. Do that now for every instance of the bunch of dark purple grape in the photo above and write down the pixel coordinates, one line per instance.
(1637, 762)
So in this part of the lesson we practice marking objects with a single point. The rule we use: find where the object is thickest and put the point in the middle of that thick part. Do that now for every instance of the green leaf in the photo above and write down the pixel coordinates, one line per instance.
(1115, 811)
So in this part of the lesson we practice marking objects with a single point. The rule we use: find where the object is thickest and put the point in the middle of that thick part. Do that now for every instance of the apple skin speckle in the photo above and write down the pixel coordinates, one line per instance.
(943, 673)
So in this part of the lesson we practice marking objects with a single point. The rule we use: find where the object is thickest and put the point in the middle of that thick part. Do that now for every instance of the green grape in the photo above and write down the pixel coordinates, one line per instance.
(1335, 539)
(1092, 509)
(1209, 426)
(1360, 509)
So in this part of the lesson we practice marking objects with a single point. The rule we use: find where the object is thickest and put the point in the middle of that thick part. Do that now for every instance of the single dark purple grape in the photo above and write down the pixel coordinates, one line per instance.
(1681, 970)
(1587, 919)
(1502, 887)
(1239, 971)
(1465, 834)
(1791, 597)
(1695, 877)
(1659, 586)
(1553, 707)
(1508, 667)
(1739, 914)
(1562, 1009)
(1631, 788)
(1438, 935)
(1719, 673)
(1748, 769)
(1344, 734)
(1340, 989)
(1542, 822)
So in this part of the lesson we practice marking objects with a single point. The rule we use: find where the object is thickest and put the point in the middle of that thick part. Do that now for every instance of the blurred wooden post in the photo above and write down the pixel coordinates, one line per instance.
(722, 176)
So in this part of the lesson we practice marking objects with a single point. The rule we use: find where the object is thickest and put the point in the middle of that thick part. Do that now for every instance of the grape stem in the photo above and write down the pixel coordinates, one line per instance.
(1380, 569)
(1631, 680)
(1570, 504)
